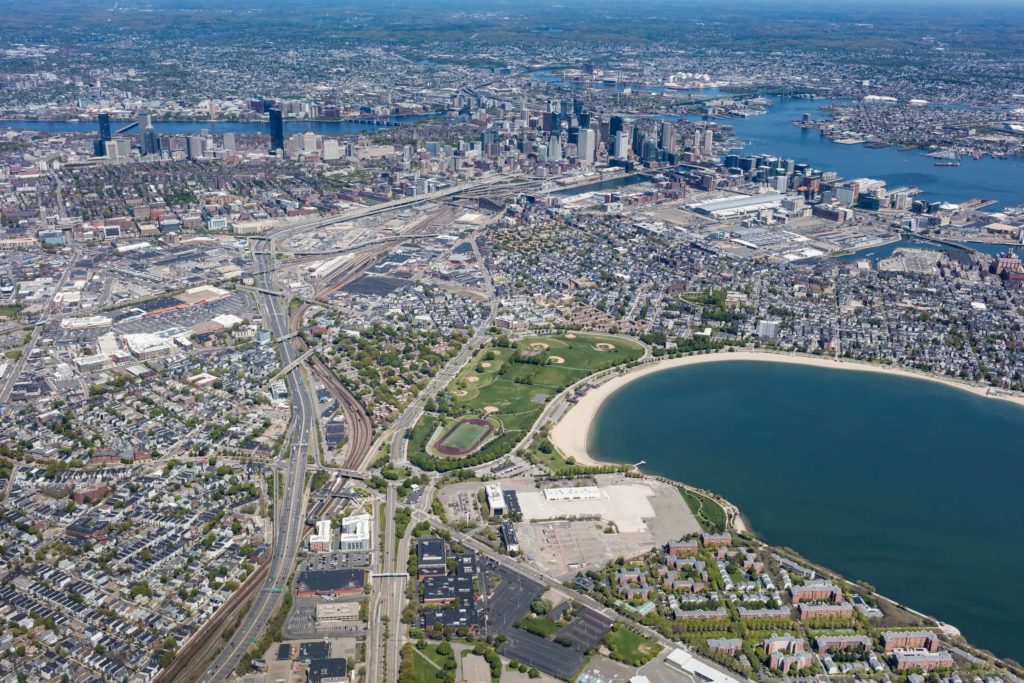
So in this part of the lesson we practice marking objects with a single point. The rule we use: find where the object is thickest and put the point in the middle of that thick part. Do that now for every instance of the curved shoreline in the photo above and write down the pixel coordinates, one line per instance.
(571, 434)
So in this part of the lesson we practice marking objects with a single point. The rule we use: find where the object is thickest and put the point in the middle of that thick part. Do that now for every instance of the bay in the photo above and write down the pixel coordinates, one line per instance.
(910, 485)
(774, 133)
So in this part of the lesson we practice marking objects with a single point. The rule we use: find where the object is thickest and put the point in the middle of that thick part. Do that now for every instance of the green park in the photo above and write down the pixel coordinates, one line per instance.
(507, 385)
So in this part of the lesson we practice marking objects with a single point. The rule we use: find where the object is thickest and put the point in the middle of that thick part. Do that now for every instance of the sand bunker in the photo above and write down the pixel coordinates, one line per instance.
(472, 378)
(485, 365)
(460, 393)
(569, 335)
(539, 346)
(603, 346)
(557, 360)
(490, 409)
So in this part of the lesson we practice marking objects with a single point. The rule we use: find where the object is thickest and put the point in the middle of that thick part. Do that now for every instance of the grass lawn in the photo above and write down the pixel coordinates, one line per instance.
(539, 626)
(424, 668)
(10, 311)
(629, 647)
(709, 514)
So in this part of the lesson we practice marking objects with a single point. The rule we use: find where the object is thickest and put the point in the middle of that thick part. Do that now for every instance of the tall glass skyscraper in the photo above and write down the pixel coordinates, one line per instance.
(276, 130)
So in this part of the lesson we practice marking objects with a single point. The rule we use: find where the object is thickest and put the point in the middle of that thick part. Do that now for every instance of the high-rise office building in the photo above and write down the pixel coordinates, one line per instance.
(554, 150)
(104, 121)
(621, 145)
(709, 141)
(668, 136)
(586, 146)
(194, 145)
(99, 146)
(150, 140)
(229, 142)
(638, 141)
(276, 130)
(616, 125)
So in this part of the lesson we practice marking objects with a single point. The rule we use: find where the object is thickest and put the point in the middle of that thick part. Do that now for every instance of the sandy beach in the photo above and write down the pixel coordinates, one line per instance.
(570, 434)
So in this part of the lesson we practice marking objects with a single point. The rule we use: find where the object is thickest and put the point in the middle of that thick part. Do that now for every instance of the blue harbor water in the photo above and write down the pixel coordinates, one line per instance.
(171, 127)
(774, 133)
(874, 254)
(910, 485)
(603, 185)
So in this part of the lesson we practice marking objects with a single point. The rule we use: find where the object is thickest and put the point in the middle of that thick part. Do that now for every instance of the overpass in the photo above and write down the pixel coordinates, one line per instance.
(291, 366)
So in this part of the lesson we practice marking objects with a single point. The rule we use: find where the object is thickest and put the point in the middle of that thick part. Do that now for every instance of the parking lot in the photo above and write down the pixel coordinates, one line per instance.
(506, 606)
(334, 560)
(587, 630)
(302, 624)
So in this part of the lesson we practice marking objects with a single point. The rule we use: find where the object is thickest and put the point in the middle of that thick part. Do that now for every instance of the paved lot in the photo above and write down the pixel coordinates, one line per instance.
(474, 669)
(587, 630)
(546, 655)
(627, 505)
(510, 599)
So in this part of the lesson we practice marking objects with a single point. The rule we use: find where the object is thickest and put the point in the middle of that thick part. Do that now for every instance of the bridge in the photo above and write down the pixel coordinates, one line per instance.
(390, 575)
(291, 366)
(123, 129)
(285, 337)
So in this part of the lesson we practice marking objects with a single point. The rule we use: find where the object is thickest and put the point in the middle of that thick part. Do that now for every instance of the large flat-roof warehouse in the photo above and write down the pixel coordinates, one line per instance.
(731, 207)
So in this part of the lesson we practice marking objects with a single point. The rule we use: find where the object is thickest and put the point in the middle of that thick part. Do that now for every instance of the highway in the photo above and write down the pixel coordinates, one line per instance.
(289, 511)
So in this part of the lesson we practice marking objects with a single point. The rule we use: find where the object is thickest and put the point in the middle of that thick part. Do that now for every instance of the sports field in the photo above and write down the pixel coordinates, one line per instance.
(463, 437)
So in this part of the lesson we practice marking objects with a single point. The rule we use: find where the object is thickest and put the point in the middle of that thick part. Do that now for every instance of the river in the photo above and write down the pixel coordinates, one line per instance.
(174, 127)
(911, 485)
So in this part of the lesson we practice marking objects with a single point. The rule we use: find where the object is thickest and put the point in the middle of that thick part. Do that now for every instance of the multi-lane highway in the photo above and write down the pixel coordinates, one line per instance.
(289, 508)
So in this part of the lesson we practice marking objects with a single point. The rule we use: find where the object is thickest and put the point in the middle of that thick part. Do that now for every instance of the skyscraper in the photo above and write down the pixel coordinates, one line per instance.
(709, 141)
(229, 141)
(99, 146)
(104, 121)
(621, 145)
(668, 136)
(638, 140)
(586, 146)
(194, 144)
(616, 125)
(150, 140)
(276, 130)
(149, 143)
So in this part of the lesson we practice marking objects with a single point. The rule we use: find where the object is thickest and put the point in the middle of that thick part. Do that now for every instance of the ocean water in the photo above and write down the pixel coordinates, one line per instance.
(908, 484)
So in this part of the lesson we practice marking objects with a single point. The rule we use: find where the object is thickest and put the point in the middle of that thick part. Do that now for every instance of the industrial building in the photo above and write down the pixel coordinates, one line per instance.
(734, 207)
(572, 493)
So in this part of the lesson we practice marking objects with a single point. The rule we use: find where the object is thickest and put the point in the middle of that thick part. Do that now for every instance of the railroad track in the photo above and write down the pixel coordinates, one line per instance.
(360, 429)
